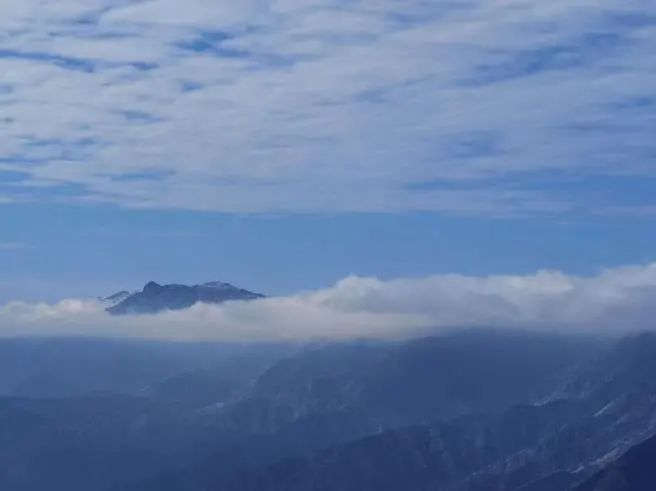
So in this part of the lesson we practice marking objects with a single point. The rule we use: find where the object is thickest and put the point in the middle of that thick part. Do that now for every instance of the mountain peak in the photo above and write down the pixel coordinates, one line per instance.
(156, 298)
(217, 285)
(151, 286)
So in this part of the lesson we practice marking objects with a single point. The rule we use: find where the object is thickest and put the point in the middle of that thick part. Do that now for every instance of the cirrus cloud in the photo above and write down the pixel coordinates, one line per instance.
(478, 107)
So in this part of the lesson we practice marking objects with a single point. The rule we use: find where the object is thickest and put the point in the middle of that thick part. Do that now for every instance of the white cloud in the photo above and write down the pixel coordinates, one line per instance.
(209, 13)
(324, 105)
(617, 300)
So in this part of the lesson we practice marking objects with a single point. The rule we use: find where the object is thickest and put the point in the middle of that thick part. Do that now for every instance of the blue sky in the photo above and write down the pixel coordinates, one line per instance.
(283, 145)
(78, 251)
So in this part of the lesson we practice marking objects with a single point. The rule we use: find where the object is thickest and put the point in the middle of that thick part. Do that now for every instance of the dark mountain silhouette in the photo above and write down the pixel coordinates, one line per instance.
(156, 298)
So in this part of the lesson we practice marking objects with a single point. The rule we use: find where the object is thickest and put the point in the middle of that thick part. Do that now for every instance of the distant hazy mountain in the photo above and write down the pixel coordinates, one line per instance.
(468, 411)
(609, 406)
(354, 396)
(417, 381)
(156, 298)
(67, 367)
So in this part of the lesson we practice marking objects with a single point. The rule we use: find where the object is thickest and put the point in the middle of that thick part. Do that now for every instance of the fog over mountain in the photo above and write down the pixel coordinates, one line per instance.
(541, 382)
(616, 300)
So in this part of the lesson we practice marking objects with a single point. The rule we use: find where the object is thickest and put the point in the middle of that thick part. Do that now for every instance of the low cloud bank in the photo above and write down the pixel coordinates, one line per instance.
(616, 300)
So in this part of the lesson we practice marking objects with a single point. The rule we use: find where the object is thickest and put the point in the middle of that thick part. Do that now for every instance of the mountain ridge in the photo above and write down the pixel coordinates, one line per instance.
(155, 298)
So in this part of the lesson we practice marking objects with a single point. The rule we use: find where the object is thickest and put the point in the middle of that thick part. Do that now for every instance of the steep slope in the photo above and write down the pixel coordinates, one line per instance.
(551, 446)
(428, 457)
(634, 471)
(156, 298)
(418, 381)
(474, 371)
(338, 394)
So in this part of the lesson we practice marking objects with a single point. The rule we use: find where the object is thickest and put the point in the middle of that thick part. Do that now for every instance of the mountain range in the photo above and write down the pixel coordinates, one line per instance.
(470, 410)
(550, 445)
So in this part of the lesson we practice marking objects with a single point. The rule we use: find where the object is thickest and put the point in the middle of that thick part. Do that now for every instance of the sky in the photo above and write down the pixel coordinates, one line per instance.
(286, 145)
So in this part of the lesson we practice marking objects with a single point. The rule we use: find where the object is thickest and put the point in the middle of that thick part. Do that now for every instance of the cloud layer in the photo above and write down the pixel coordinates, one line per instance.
(480, 107)
(615, 301)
